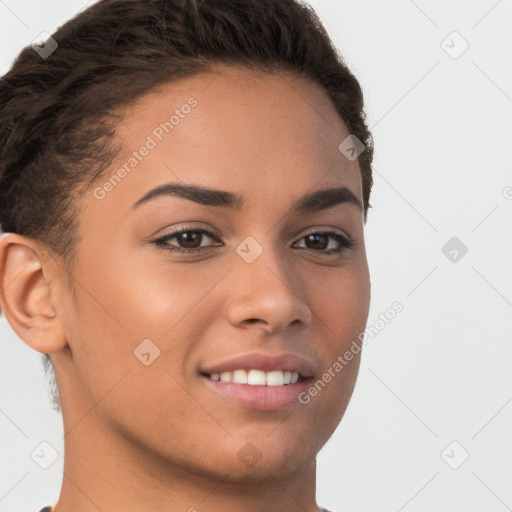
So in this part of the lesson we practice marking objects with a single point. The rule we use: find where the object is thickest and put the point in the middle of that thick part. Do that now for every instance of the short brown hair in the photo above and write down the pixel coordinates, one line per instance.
(54, 140)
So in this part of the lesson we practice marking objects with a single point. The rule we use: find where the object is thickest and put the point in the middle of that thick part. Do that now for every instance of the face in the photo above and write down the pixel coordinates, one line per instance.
(177, 288)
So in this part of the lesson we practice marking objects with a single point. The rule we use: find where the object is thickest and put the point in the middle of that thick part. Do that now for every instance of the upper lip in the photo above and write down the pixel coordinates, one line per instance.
(264, 362)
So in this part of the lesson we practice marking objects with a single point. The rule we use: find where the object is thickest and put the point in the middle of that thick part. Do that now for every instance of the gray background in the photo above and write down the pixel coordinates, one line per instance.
(440, 371)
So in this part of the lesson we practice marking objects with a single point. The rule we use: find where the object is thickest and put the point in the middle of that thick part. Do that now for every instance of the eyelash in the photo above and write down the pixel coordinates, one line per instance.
(345, 243)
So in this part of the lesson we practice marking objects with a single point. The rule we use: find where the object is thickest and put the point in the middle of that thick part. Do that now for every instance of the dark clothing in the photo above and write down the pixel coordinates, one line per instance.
(49, 509)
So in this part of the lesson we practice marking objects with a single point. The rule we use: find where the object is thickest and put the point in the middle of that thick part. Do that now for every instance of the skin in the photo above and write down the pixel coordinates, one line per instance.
(157, 438)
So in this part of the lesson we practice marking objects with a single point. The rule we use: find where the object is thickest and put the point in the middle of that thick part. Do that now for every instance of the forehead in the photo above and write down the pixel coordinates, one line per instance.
(233, 129)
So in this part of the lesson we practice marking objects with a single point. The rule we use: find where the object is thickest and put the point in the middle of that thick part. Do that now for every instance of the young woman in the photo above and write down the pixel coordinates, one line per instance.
(183, 191)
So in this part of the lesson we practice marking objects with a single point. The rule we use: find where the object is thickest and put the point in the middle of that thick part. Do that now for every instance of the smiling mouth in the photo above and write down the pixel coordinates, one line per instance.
(258, 389)
(260, 380)
(255, 377)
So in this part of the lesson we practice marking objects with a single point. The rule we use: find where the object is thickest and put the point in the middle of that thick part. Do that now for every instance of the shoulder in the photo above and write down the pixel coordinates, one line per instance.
(49, 509)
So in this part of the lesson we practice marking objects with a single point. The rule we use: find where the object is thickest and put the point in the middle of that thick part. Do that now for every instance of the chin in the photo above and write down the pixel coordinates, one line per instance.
(239, 460)
(278, 456)
(262, 465)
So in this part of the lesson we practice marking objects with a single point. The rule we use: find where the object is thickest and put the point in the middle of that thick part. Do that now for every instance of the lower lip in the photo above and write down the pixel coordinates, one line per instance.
(260, 397)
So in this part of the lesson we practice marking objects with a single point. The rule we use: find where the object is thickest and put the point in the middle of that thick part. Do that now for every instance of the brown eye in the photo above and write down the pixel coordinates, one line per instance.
(321, 242)
(317, 241)
(187, 240)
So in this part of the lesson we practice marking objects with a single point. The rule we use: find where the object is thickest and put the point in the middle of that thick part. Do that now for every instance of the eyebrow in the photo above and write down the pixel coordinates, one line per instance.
(312, 202)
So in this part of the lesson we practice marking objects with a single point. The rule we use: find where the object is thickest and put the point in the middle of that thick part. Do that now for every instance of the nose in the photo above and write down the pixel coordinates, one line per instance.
(267, 294)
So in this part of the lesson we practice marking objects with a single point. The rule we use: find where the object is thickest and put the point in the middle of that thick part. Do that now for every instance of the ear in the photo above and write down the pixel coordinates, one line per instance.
(25, 293)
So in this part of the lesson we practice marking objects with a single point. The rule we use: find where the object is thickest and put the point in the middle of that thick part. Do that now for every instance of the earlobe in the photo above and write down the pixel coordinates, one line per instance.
(25, 295)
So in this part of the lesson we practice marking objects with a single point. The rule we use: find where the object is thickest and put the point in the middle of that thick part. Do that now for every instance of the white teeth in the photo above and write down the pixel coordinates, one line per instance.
(257, 377)
(240, 377)
(275, 378)
(226, 376)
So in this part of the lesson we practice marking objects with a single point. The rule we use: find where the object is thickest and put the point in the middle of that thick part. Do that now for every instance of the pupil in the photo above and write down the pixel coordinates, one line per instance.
(315, 239)
(190, 239)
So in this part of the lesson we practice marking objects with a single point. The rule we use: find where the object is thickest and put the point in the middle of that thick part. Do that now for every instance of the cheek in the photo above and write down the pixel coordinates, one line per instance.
(123, 304)
(138, 299)
(341, 303)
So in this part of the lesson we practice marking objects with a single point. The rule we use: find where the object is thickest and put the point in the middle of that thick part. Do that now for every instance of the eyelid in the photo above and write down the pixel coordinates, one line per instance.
(211, 231)
(344, 240)
(327, 230)
(182, 228)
